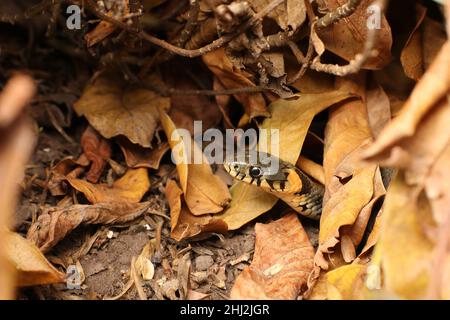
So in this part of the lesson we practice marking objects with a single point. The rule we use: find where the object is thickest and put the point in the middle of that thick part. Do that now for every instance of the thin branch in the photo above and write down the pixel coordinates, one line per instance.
(358, 61)
(337, 14)
(185, 52)
(307, 62)
(191, 23)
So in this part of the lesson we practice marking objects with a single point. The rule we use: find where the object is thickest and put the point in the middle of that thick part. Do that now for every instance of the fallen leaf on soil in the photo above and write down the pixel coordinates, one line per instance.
(183, 223)
(129, 188)
(143, 264)
(97, 150)
(232, 78)
(67, 167)
(55, 222)
(204, 192)
(281, 264)
(31, 265)
(114, 108)
(139, 157)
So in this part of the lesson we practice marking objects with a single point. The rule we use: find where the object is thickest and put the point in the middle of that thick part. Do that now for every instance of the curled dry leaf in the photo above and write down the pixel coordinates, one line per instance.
(424, 43)
(67, 167)
(143, 264)
(412, 53)
(140, 157)
(347, 37)
(183, 223)
(232, 78)
(31, 265)
(97, 150)
(114, 108)
(281, 264)
(55, 222)
(129, 188)
(352, 186)
(292, 119)
(204, 192)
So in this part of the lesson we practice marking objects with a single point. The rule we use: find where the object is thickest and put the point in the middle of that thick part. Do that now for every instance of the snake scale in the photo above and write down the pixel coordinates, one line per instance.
(285, 181)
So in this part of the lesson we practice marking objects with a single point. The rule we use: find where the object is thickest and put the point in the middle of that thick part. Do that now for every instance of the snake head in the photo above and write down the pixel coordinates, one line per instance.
(265, 171)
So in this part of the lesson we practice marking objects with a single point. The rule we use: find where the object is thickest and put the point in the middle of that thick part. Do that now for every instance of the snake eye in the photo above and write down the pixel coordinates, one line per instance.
(236, 167)
(255, 172)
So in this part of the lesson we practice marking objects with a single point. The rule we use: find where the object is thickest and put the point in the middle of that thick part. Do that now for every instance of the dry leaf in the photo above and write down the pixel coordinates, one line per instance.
(347, 37)
(289, 15)
(55, 223)
(203, 191)
(412, 54)
(114, 107)
(67, 167)
(183, 223)
(231, 78)
(139, 157)
(403, 248)
(129, 188)
(97, 150)
(31, 265)
(281, 264)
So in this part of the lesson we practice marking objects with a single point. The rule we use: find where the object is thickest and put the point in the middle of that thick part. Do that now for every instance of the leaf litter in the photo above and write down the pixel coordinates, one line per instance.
(363, 111)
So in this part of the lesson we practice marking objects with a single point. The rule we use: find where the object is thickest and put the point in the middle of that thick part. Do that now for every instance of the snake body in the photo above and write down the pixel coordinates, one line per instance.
(284, 180)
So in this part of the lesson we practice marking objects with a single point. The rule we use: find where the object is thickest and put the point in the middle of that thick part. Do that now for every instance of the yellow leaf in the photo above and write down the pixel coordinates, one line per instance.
(32, 267)
(204, 191)
(403, 247)
(129, 188)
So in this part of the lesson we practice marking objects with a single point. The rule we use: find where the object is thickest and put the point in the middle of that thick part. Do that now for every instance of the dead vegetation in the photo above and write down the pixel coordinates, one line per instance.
(358, 90)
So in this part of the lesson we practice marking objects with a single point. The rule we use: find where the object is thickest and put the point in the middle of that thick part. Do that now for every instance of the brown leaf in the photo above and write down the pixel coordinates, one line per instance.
(402, 241)
(347, 37)
(204, 192)
(183, 223)
(289, 15)
(129, 188)
(433, 86)
(31, 265)
(412, 53)
(96, 149)
(55, 222)
(219, 64)
(378, 107)
(139, 157)
(114, 107)
(67, 167)
(281, 264)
